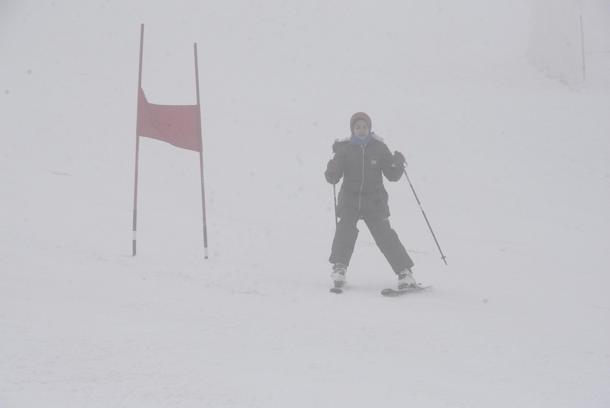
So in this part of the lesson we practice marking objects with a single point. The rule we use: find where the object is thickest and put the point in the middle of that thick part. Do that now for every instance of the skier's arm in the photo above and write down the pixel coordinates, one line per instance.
(393, 165)
(334, 168)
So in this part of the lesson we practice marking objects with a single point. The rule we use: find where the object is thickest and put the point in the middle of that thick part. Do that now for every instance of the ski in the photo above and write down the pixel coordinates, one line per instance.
(336, 290)
(390, 292)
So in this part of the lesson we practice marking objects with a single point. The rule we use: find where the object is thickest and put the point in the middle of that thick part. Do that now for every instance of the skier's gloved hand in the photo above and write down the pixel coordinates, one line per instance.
(399, 159)
(332, 166)
(332, 171)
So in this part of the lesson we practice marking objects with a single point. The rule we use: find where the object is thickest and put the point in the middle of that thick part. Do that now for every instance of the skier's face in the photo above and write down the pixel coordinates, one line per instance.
(361, 129)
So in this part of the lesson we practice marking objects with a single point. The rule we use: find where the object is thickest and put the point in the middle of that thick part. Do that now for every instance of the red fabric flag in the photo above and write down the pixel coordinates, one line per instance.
(175, 124)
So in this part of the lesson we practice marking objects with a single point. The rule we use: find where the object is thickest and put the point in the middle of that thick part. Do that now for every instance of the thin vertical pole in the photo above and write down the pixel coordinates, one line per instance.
(205, 224)
(582, 47)
(135, 189)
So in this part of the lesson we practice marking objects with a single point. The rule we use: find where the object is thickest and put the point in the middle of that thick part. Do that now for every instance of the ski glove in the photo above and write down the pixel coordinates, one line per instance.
(333, 166)
(399, 159)
(332, 172)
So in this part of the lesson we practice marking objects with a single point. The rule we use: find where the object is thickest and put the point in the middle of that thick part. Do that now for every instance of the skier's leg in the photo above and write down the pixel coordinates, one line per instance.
(388, 242)
(345, 239)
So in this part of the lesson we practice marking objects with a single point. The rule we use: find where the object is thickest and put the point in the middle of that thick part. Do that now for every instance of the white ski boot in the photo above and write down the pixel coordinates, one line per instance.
(406, 279)
(338, 275)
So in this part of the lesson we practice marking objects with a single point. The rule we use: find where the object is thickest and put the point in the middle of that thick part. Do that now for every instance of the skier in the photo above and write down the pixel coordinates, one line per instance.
(361, 160)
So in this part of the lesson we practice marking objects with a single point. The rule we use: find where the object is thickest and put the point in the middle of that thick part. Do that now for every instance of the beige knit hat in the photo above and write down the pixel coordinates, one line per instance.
(360, 116)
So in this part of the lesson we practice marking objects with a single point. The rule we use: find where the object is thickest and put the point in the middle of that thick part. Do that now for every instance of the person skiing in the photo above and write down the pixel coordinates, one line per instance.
(361, 160)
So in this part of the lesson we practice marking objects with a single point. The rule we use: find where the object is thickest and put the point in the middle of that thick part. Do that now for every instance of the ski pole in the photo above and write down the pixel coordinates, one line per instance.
(443, 257)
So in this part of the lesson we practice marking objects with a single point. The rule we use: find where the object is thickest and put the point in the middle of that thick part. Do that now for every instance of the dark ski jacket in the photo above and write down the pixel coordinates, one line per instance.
(362, 166)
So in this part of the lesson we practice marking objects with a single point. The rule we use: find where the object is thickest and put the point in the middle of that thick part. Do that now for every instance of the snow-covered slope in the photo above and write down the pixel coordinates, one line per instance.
(512, 169)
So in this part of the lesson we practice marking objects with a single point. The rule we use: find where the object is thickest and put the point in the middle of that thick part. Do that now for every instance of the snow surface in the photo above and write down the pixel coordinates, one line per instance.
(513, 170)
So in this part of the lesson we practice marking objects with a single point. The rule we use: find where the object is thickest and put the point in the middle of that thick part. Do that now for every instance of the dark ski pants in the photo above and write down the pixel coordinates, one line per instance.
(385, 237)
